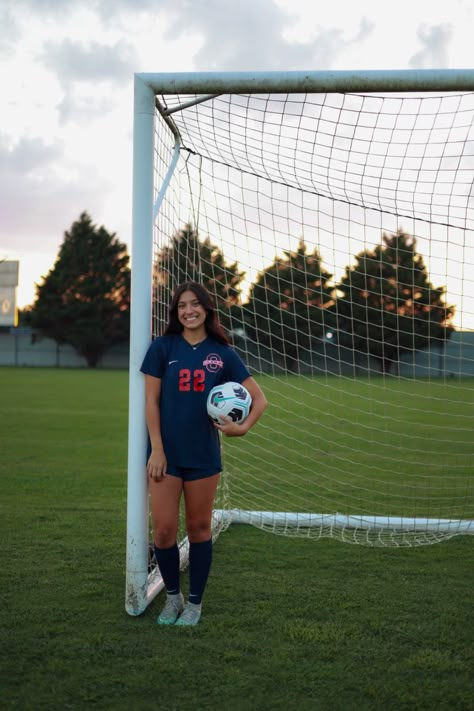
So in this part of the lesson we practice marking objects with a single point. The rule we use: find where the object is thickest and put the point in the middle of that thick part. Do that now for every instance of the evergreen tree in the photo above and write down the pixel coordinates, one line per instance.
(289, 305)
(187, 258)
(388, 305)
(85, 299)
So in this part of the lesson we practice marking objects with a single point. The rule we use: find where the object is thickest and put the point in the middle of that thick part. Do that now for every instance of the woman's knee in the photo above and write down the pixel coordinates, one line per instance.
(165, 535)
(198, 530)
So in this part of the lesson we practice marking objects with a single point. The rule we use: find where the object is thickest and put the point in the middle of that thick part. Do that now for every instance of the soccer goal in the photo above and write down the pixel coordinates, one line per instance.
(332, 216)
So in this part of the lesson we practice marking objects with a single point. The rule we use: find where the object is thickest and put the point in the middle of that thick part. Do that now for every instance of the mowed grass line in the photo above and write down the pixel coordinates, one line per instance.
(288, 624)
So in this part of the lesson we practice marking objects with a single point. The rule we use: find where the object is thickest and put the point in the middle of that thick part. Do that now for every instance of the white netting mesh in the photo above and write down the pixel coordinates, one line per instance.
(356, 427)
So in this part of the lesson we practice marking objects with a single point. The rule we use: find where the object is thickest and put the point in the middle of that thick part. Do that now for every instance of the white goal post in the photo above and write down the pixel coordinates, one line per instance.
(297, 179)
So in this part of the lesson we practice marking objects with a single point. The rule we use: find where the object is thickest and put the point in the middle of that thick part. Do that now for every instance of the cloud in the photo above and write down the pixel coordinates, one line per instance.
(83, 109)
(92, 61)
(80, 67)
(249, 35)
(37, 202)
(106, 9)
(10, 33)
(435, 41)
(231, 36)
(366, 28)
(46, 6)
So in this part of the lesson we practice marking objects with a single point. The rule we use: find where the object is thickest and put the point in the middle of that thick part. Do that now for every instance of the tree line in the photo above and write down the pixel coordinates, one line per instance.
(384, 305)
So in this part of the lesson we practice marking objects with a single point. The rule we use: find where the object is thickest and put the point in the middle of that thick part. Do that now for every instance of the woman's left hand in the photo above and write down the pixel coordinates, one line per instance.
(259, 403)
(232, 429)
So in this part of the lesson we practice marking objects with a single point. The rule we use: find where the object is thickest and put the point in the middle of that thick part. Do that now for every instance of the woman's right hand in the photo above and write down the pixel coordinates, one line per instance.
(156, 466)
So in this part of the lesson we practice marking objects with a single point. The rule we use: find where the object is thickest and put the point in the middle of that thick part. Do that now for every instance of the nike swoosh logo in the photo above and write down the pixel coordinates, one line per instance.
(172, 361)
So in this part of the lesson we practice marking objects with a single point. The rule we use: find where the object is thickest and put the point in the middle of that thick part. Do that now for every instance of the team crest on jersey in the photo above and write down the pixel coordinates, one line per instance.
(213, 362)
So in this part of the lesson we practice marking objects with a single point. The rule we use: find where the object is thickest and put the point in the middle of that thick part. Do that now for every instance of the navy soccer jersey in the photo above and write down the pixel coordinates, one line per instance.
(187, 375)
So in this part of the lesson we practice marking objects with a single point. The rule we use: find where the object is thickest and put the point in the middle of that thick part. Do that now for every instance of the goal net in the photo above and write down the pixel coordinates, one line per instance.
(335, 229)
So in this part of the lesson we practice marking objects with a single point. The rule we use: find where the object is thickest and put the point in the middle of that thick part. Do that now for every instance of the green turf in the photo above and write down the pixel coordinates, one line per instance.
(288, 623)
(357, 446)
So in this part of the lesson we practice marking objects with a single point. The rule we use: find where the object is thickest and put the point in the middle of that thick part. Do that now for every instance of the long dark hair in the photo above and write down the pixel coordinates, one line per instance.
(211, 324)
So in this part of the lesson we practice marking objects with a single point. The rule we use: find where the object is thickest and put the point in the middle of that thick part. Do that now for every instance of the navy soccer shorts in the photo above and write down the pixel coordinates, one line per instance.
(190, 473)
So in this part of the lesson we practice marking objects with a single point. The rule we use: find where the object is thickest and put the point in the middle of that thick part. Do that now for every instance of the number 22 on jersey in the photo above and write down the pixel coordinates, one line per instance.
(191, 380)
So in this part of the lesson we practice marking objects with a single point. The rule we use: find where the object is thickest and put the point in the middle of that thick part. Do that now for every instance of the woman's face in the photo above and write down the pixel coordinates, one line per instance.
(191, 314)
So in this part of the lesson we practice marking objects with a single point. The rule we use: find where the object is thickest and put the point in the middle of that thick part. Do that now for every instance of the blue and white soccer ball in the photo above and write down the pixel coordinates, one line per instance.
(229, 402)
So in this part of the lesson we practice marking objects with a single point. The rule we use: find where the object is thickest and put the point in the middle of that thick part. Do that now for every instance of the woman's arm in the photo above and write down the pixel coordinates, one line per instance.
(259, 403)
(156, 465)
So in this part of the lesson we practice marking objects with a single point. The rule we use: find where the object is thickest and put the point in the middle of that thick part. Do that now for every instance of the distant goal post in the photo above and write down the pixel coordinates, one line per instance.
(232, 155)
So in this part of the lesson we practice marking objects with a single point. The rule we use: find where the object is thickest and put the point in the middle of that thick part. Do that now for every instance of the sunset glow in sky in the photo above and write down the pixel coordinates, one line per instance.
(67, 75)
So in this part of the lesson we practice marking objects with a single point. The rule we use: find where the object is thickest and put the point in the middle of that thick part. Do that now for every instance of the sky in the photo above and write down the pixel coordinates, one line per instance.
(67, 66)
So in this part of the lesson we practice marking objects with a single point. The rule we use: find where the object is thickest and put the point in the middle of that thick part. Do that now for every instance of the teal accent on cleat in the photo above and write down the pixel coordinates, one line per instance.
(190, 615)
(171, 611)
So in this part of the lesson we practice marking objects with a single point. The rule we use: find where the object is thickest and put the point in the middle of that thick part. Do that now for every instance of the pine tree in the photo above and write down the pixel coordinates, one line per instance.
(85, 299)
(387, 304)
(187, 258)
(289, 304)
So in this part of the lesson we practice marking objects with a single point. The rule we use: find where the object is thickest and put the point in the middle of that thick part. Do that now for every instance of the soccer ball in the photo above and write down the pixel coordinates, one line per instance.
(229, 402)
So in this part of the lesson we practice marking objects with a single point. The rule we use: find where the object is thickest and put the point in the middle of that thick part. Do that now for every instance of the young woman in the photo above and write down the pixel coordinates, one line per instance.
(191, 357)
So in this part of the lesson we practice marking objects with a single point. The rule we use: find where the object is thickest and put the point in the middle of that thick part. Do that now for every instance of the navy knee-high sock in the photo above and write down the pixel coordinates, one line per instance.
(200, 559)
(168, 562)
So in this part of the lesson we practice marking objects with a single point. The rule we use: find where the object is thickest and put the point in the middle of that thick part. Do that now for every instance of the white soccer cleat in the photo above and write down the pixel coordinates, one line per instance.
(190, 615)
(171, 611)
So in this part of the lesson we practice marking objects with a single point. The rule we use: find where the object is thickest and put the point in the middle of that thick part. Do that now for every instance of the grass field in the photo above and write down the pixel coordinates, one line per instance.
(288, 623)
(382, 446)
